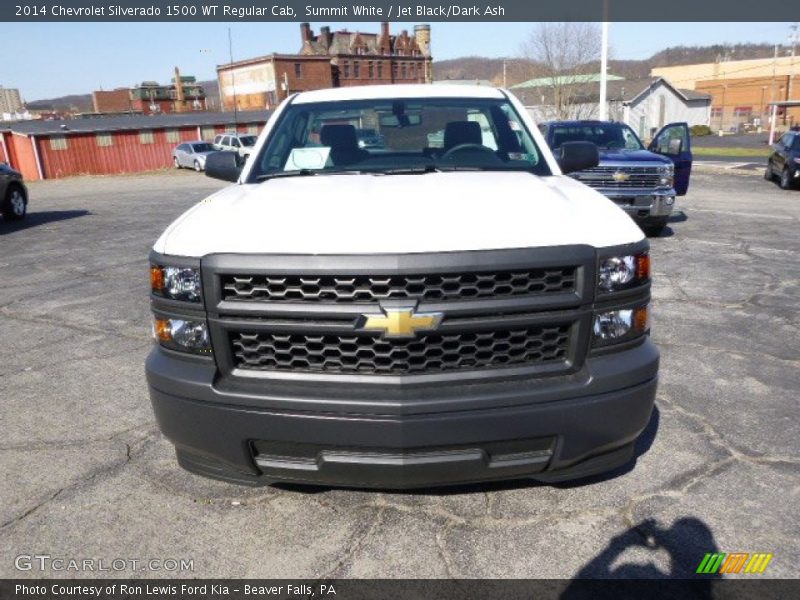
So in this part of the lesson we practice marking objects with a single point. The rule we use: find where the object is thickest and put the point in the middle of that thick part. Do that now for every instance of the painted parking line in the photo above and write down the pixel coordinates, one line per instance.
(744, 214)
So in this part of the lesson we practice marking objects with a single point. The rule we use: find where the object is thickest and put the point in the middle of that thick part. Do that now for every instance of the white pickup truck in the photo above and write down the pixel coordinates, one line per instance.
(414, 314)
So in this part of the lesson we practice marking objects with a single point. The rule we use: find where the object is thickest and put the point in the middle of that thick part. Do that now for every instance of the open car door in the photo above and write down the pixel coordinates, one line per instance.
(674, 142)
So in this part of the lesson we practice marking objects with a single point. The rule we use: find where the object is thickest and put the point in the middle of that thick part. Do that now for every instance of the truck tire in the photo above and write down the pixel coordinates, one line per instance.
(176, 163)
(197, 166)
(15, 205)
(786, 180)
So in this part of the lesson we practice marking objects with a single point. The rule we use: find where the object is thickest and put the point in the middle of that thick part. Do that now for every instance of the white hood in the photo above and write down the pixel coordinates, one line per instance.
(369, 214)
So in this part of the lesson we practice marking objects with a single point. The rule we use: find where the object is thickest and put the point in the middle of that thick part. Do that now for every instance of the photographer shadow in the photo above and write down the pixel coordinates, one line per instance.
(686, 543)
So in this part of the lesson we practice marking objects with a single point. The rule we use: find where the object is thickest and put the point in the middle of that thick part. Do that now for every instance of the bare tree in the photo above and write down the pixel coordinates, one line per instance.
(564, 54)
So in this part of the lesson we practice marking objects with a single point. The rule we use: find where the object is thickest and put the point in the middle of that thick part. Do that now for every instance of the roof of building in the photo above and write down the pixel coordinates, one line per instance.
(331, 43)
(133, 122)
(618, 90)
(388, 92)
(563, 80)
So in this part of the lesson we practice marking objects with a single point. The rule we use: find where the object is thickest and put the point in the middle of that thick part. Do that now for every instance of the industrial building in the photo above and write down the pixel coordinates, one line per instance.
(112, 145)
(742, 90)
(645, 104)
(182, 94)
(329, 59)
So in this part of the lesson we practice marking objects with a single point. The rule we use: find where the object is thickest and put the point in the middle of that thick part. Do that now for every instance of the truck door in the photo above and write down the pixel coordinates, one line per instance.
(674, 142)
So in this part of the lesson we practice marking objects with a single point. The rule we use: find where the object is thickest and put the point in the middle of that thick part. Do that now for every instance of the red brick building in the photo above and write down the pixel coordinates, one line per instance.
(330, 59)
(182, 94)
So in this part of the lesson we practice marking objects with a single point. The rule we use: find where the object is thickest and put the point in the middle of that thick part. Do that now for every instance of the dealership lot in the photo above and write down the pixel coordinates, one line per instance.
(84, 472)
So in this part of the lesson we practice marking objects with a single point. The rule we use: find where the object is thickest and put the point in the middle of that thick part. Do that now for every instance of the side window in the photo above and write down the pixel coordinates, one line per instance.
(796, 144)
(226, 141)
(786, 140)
(235, 143)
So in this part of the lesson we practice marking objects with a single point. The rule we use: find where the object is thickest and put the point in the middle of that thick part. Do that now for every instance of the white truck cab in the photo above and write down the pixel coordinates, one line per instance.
(410, 314)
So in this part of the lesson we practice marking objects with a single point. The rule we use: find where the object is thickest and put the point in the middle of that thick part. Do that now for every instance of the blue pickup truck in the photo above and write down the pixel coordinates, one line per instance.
(643, 182)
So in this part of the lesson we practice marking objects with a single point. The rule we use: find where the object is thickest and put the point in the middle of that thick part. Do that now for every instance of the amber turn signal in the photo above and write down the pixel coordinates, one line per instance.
(156, 278)
(642, 267)
(162, 329)
(641, 319)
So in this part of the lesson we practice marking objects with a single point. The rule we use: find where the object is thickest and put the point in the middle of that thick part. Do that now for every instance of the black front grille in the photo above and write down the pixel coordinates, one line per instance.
(370, 288)
(363, 354)
(638, 177)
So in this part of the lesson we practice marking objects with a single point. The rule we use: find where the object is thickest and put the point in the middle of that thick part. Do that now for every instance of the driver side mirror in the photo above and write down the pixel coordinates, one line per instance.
(226, 166)
(577, 156)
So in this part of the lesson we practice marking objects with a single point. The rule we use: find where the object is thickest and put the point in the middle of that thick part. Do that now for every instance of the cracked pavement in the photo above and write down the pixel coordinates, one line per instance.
(84, 473)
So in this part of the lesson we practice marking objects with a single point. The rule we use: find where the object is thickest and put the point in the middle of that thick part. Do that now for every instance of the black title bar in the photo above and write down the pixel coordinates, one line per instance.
(388, 10)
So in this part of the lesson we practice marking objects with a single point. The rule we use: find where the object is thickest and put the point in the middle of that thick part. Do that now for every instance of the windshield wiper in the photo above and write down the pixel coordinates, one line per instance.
(305, 173)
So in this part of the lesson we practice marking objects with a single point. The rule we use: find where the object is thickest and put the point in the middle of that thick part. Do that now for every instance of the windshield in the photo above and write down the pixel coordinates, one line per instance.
(415, 135)
(202, 147)
(248, 140)
(605, 135)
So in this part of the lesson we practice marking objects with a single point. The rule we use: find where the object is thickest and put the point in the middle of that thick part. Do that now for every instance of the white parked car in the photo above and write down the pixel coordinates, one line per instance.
(242, 144)
(410, 315)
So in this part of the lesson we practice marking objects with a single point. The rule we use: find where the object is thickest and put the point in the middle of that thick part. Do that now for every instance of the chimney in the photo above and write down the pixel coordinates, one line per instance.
(385, 43)
(178, 91)
(325, 36)
(305, 32)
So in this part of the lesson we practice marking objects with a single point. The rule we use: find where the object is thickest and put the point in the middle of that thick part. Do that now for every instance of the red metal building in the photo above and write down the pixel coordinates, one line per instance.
(112, 145)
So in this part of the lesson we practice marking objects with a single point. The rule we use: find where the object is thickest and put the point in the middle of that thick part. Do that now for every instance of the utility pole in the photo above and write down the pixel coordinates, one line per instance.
(233, 82)
(604, 65)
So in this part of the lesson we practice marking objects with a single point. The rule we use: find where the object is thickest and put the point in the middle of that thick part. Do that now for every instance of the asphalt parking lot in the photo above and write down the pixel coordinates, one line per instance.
(84, 473)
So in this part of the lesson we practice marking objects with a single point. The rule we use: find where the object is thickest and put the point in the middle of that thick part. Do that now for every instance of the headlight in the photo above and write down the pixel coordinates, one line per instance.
(620, 325)
(176, 283)
(621, 272)
(181, 334)
(666, 176)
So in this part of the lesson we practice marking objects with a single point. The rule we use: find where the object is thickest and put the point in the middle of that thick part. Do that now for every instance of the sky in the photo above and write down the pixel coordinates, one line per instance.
(56, 59)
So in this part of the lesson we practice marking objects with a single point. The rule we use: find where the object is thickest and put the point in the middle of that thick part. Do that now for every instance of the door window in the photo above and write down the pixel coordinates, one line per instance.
(672, 140)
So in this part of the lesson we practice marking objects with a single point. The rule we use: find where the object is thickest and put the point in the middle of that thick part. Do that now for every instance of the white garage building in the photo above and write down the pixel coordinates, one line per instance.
(645, 104)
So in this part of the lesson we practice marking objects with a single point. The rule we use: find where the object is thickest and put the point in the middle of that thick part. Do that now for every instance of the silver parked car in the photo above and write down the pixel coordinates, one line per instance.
(192, 155)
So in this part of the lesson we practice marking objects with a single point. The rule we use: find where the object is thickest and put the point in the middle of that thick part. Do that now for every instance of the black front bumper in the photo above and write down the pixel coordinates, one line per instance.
(547, 428)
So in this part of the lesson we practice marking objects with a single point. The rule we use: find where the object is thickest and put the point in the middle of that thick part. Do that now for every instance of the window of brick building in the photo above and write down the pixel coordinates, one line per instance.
(173, 136)
(58, 142)
(356, 69)
(346, 70)
(298, 70)
(403, 71)
(395, 70)
(742, 111)
(371, 70)
(380, 70)
(104, 139)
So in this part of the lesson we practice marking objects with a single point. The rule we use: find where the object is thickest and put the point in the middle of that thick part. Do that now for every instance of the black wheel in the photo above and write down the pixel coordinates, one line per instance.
(176, 163)
(197, 166)
(15, 203)
(786, 180)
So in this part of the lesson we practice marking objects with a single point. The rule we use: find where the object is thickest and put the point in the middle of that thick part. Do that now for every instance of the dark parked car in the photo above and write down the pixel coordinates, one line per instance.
(643, 182)
(784, 162)
(13, 194)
